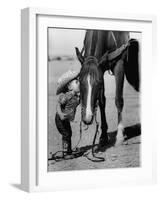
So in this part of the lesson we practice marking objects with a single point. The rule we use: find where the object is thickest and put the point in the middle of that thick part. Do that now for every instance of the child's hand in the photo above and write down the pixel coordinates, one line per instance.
(62, 116)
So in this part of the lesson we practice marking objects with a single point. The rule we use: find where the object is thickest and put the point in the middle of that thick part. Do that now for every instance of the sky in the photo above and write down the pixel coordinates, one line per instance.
(62, 41)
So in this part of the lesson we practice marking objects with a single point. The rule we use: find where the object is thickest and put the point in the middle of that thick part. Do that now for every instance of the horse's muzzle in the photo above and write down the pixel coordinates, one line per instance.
(88, 119)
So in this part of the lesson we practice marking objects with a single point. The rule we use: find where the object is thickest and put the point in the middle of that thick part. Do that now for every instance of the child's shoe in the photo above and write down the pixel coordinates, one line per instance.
(67, 147)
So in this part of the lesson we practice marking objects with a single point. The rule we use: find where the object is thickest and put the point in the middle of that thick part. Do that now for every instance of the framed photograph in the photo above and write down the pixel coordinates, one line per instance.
(86, 110)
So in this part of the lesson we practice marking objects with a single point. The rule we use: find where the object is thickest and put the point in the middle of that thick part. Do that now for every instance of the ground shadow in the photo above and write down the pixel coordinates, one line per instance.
(132, 131)
(129, 132)
(86, 148)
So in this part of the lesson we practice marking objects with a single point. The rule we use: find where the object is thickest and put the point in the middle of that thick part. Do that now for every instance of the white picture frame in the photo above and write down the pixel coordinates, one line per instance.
(33, 175)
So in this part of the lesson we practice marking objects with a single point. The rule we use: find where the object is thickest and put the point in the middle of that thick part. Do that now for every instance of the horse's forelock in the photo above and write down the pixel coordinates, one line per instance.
(90, 67)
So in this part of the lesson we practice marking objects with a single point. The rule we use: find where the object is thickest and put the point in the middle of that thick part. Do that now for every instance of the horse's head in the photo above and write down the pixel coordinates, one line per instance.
(91, 84)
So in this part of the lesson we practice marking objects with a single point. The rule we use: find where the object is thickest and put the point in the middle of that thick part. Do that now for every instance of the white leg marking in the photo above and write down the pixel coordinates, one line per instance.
(88, 108)
(120, 136)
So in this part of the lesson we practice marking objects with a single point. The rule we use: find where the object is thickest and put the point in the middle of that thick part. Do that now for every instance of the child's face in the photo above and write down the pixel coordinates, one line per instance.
(74, 85)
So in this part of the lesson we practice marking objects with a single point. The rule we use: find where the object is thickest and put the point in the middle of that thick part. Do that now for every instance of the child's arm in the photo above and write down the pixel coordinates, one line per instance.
(59, 111)
(61, 101)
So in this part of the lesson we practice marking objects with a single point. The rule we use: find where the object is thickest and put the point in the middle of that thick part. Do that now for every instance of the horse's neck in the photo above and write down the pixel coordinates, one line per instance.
(94, 43)
(90, 43)
(98, 42)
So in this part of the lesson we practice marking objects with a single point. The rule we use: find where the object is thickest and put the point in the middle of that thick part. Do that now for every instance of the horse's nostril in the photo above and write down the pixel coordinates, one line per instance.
(88, 119)
(87, 122)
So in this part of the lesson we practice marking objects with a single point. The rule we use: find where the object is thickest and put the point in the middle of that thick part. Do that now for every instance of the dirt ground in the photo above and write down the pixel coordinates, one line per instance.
(126, 155)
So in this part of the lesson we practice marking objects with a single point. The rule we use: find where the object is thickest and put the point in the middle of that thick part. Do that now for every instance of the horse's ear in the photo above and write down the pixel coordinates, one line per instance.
(79, 55)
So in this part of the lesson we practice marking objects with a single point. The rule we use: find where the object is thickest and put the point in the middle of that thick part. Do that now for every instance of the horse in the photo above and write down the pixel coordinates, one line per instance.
(113, 51)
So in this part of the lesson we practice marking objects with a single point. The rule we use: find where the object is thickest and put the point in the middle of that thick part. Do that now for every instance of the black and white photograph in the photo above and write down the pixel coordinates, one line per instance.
(94, 99)
(80, 102)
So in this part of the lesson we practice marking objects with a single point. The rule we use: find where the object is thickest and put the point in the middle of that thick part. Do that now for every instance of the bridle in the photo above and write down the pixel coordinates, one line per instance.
(96, 158)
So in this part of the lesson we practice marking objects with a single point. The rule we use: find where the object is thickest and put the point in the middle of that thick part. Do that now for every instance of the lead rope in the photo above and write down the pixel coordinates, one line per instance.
(99, 159)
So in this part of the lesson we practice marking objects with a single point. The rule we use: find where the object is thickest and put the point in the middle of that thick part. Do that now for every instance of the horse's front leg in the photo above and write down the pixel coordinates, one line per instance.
(104, 126)
(119, 101)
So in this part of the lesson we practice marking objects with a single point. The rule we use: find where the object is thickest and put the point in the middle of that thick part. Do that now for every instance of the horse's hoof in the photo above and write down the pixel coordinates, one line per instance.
(119, 141)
